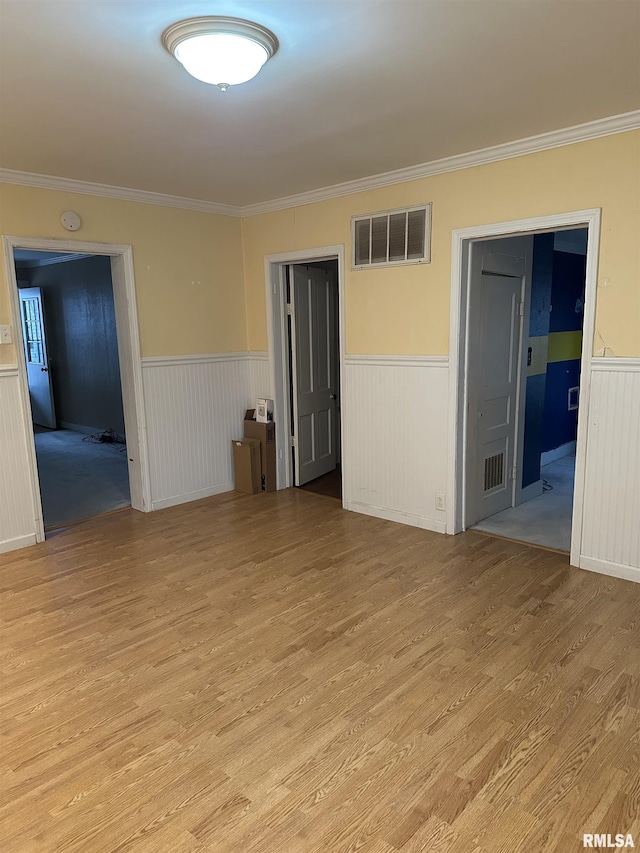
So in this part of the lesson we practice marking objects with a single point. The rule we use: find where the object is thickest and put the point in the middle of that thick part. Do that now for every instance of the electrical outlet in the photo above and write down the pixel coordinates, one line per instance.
(5, 335)
(440, 501)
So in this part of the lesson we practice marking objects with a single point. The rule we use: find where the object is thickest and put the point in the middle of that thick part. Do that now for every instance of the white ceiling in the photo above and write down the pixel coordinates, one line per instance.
(358, 87)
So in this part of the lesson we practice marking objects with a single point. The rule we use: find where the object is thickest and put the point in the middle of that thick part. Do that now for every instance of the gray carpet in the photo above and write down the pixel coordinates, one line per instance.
(79, 479)
(545, 520)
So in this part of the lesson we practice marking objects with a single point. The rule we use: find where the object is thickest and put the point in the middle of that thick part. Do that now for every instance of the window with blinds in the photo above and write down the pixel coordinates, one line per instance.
(392, 237)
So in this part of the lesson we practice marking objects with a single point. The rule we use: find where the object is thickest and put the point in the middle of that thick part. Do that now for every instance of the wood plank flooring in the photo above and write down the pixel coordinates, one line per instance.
(271, 674)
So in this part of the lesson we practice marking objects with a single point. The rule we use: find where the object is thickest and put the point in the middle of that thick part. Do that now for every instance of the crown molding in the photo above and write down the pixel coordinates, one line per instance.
(519, 147)
(51, 182)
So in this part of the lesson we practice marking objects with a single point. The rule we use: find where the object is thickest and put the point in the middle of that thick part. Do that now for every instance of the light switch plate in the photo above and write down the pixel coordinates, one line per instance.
(5, 335)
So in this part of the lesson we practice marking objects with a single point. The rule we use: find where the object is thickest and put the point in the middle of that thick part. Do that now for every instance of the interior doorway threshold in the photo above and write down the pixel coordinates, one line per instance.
(544, 521)
(329, 485)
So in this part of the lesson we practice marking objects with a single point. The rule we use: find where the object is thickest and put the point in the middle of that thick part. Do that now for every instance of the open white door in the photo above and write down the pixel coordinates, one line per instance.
(35, 350)
(314, 372)
(498, 271)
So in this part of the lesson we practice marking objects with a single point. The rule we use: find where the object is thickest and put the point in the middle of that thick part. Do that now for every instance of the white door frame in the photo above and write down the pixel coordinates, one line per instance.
(278, 343)
(124, 298)
(458, 337)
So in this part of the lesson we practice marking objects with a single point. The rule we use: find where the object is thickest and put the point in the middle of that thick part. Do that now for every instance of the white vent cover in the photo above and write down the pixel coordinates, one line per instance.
(392, 237)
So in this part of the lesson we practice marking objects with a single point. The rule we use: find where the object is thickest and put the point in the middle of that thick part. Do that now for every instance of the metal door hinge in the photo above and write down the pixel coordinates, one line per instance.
(522, 309)
(294, 441)
(289, 309)
(514, 471)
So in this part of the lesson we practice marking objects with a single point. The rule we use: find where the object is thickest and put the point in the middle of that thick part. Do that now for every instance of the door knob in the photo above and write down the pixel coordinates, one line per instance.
(44, 369)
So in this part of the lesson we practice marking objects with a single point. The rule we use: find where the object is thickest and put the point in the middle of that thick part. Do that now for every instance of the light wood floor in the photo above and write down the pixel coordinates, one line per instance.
(270, 673)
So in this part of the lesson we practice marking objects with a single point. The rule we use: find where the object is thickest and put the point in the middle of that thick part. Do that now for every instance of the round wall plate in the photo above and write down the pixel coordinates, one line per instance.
(70, 220)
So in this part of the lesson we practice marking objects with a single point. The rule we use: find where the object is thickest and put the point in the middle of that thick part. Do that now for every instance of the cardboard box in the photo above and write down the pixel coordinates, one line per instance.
(246, 465)
(266, 433)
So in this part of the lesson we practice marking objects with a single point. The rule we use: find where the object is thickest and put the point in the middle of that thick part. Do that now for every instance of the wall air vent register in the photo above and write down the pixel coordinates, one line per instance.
(391, 238)
(494, 472)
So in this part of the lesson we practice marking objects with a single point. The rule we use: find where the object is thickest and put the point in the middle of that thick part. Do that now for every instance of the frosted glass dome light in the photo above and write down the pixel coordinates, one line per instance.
(220, 51)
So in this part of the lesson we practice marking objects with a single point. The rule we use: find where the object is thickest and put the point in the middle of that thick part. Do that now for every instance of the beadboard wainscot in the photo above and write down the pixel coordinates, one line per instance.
(259, 378)
(194, 406)
(610, 530)
(394, 411)
(17, 511)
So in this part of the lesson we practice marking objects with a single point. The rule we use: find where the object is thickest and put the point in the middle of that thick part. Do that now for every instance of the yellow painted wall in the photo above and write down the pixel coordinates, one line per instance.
(188, 265)
(192, 290)
(405, 310)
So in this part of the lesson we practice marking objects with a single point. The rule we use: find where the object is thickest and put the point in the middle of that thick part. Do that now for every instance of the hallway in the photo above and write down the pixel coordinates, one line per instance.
(79, 478)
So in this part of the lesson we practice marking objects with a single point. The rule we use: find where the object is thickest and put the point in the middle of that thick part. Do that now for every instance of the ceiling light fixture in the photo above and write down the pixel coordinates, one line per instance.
(221, 51)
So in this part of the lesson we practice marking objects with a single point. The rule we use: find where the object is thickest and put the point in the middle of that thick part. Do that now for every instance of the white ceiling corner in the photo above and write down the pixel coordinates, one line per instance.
(360, 93)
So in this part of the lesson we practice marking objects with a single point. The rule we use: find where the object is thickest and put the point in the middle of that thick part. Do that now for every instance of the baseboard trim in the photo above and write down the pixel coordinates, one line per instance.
(18, 542)
(176, 500)
(606, 567)
(408, 518)
(549, 456)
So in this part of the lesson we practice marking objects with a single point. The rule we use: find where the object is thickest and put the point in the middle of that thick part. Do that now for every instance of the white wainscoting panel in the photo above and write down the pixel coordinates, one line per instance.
(395, 436)
(195, 406)
(611, 517)
(17, 512)
(259, 379)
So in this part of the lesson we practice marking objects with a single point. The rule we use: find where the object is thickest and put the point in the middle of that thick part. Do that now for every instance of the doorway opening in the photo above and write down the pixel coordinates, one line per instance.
(540, 507)
(306, 353)
(73, 372)
(526, 302)
(314, 376)
(118, 259)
